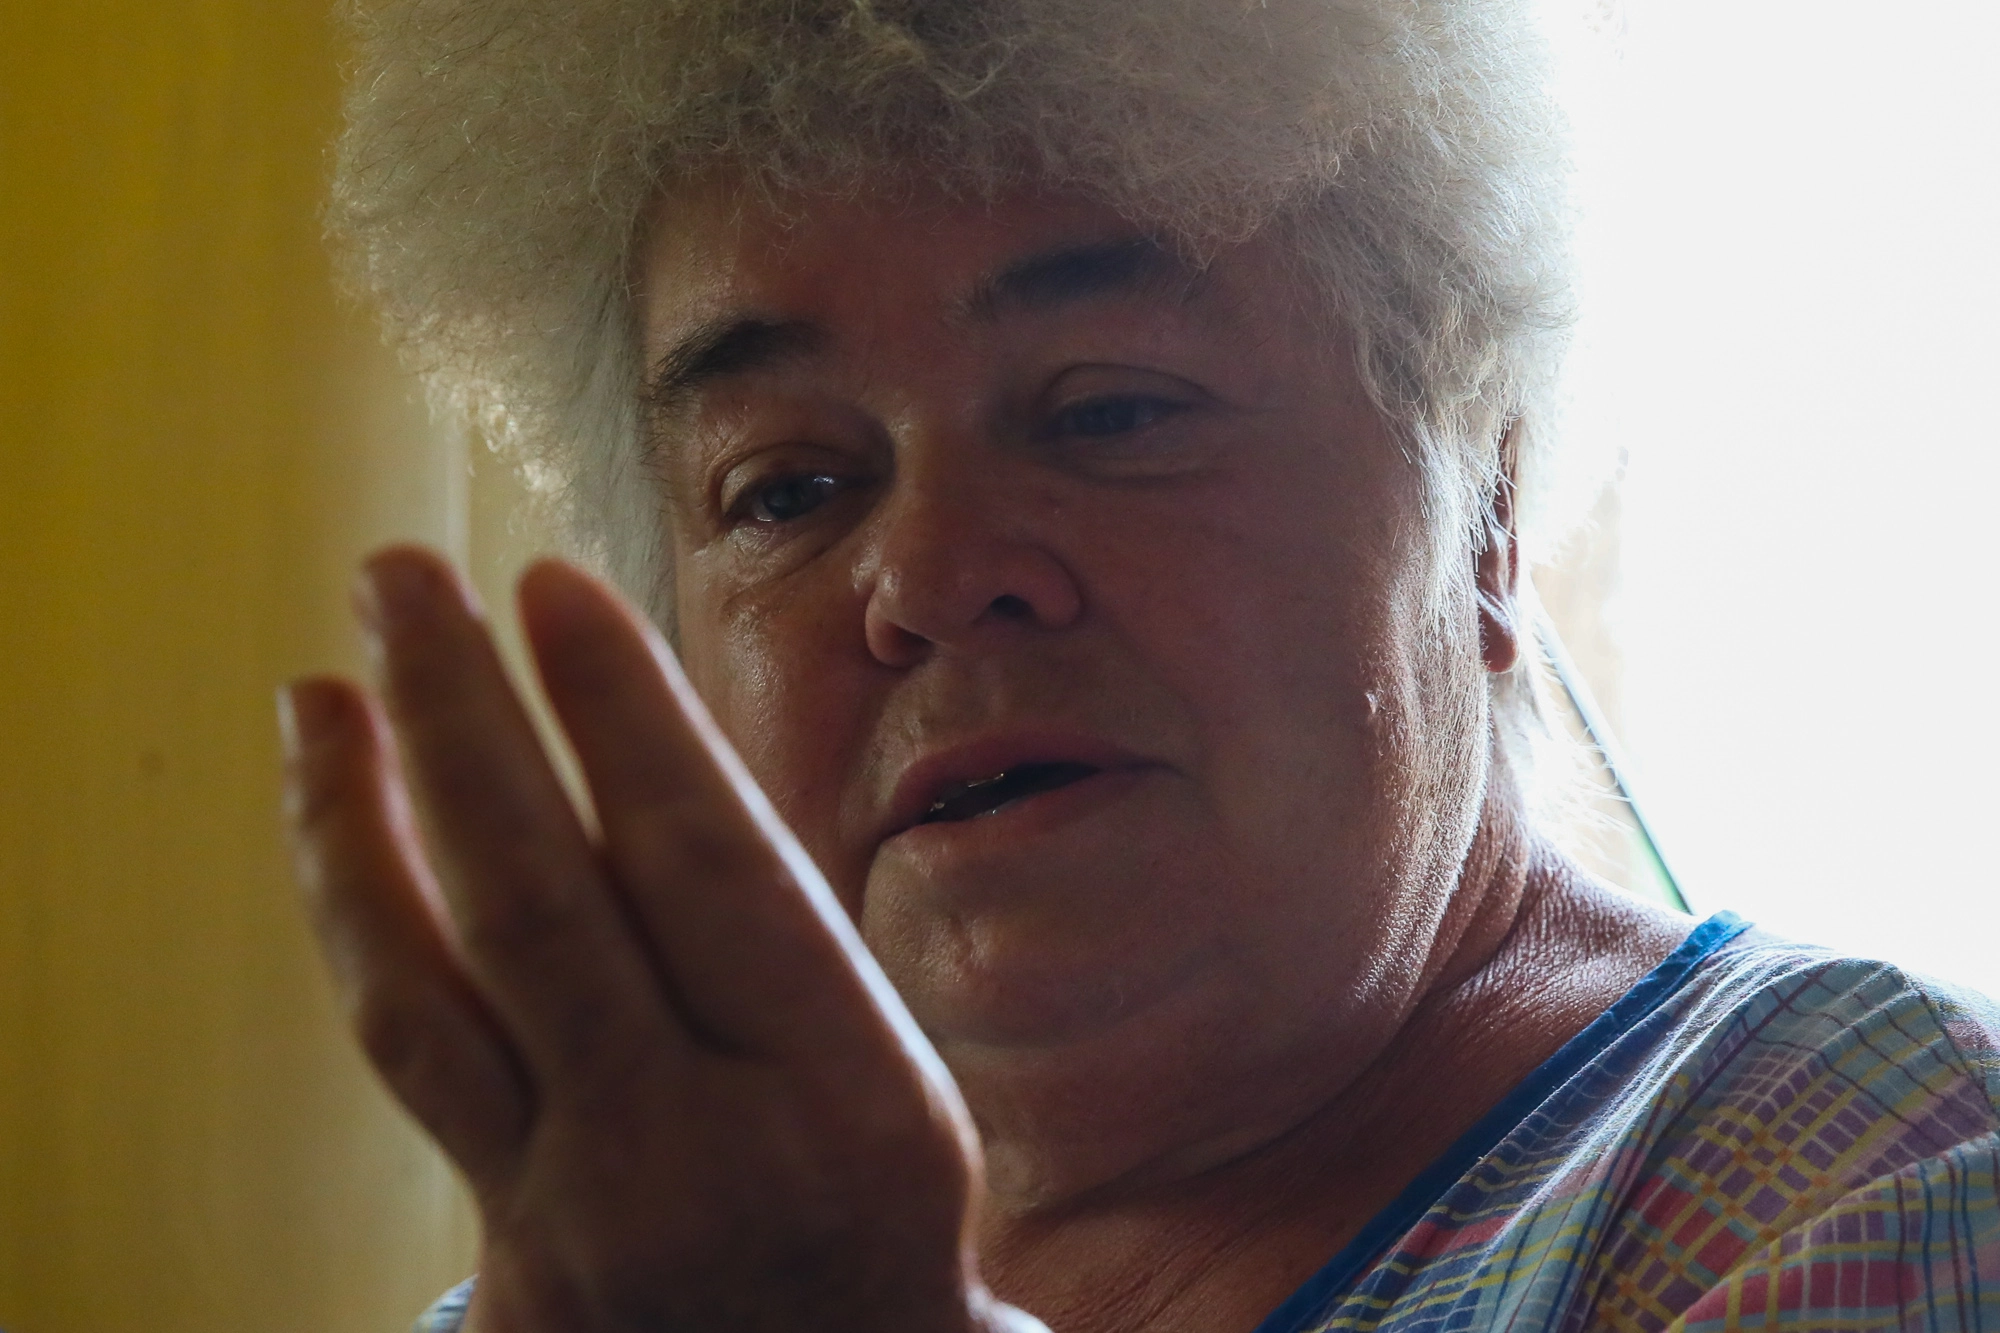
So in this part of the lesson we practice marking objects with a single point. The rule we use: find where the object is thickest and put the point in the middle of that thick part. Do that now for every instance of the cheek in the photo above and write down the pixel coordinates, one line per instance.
(788, 690)
(1276, 630)
(1288, 615)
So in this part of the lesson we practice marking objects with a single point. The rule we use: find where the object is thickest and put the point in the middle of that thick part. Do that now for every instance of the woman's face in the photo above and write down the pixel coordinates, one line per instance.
(1069, 601)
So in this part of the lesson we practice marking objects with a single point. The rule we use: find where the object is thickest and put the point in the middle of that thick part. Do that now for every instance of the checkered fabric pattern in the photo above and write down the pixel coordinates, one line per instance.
(1787, 1140)
(1759, 1136)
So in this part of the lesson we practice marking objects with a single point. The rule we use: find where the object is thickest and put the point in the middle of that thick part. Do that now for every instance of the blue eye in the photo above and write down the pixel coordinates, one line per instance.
(783, 499)
(1110, 416)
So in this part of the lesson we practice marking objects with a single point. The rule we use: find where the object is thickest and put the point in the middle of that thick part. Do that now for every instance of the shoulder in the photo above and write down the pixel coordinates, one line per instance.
(1744, 1035)
(1759, 1133)
(1769, 1030)
(1813, 1134)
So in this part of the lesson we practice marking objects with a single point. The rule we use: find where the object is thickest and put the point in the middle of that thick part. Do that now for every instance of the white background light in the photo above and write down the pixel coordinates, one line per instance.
(1792, 287)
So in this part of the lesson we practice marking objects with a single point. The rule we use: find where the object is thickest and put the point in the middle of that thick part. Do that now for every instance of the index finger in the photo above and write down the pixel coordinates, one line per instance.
(761, 953)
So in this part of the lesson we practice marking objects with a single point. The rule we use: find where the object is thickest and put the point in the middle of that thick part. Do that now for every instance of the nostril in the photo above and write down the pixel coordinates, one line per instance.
(1010, 607)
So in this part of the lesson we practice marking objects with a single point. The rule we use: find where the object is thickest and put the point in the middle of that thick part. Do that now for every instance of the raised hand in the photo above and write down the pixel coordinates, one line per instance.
(681, 1091)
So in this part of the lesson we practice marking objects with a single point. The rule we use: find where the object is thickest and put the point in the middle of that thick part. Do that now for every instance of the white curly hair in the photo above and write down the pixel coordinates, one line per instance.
(499, 154)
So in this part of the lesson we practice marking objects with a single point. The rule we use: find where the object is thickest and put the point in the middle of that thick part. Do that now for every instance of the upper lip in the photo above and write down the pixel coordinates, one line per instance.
(937, 771)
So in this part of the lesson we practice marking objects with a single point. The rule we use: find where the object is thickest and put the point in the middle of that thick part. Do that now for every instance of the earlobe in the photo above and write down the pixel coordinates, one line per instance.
(1498, 575)
(1499, 633)
(1497, 588)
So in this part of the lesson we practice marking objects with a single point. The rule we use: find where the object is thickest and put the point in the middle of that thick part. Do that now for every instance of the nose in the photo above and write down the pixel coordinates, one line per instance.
(955, 562)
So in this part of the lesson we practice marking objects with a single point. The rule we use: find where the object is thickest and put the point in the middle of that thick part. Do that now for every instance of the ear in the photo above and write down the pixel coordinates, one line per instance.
(1497, 579)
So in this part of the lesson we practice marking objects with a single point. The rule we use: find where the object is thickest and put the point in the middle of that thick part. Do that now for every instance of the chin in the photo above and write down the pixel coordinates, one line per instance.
(1059, 958)
(1073, 1088)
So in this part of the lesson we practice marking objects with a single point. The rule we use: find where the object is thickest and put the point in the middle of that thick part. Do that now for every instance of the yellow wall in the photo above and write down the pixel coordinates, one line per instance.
(194, 445)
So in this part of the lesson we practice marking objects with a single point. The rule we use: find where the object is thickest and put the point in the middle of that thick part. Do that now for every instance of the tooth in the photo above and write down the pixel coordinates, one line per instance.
(958, 789)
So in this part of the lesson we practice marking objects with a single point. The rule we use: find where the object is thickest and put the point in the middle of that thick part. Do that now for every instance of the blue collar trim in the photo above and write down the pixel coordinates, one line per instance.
(1306, 1305)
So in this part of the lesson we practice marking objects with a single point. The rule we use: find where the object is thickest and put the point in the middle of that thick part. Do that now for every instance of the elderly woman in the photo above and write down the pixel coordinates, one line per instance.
(1082, 454)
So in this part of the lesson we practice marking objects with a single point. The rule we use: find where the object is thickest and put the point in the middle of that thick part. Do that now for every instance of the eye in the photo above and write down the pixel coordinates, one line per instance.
(786, 498)
(1097, 417)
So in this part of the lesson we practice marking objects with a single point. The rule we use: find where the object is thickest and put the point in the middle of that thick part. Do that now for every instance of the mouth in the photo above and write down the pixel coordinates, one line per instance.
(985, 796)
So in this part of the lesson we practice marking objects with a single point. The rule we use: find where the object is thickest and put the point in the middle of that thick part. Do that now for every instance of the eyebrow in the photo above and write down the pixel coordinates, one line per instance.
(725, 347)
(1058, 277)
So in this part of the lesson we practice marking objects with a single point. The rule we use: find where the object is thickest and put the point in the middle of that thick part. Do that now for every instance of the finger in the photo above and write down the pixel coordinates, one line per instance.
(547, 941)
(758, 952)
(420, 1022)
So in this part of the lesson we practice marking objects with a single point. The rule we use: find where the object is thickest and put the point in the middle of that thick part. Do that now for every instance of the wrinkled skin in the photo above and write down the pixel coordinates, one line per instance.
(957, 490)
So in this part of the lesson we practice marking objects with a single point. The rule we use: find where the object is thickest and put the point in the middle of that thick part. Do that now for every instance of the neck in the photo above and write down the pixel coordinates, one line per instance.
(1528, 952)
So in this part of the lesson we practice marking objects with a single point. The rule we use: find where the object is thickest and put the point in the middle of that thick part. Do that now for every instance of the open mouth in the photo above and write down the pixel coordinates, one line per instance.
(970, 800)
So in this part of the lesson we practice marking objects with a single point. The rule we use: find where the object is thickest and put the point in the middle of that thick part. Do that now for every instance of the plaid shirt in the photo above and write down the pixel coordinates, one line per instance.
(1759, 1135)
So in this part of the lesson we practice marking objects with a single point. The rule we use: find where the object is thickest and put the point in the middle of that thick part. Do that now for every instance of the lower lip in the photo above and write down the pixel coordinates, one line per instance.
(1026, 817)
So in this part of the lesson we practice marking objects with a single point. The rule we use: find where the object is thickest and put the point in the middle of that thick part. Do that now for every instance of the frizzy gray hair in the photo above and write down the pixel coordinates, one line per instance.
(499, 153)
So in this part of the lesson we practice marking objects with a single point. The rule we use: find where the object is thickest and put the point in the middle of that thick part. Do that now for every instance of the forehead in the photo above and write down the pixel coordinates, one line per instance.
(728, 282)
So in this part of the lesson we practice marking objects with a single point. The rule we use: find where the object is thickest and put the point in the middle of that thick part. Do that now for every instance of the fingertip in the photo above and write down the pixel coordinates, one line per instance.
(544, 567)
(566, 612)
(555, 595)
(406, 584)
(557, 599)
(319, 718)
(313, 710)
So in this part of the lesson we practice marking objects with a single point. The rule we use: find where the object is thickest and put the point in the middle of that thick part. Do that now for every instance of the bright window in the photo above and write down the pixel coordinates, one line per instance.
(1792, 264)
